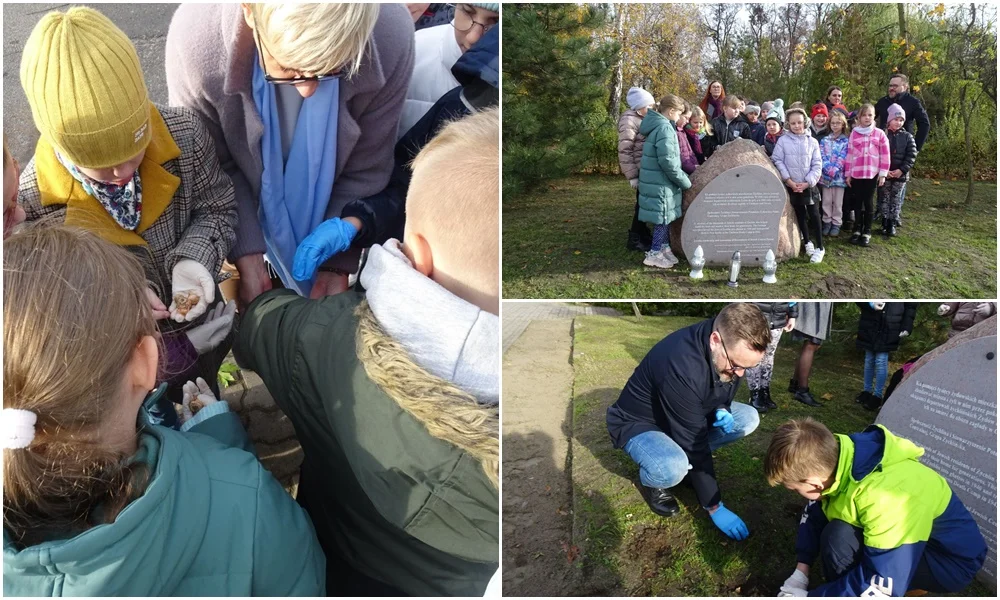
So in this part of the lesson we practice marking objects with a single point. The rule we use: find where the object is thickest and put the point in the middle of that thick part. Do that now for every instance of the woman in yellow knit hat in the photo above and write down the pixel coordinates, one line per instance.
(139, 175)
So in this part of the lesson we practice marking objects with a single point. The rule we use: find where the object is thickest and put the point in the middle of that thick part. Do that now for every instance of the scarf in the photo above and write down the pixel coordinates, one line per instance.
(123, 202)
(864, 130)
(449, 337)
(294, 195)
(774, 138)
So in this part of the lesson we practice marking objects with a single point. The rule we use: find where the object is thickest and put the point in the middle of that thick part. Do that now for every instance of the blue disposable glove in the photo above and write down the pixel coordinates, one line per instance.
(331, 237)
(731, 525)
(724, 420)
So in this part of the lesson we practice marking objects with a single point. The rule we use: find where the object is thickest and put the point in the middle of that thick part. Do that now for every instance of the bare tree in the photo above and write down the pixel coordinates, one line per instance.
(615, 102)
(720, 26)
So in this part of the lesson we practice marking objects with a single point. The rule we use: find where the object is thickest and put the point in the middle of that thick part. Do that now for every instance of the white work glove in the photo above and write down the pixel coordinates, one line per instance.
(197, 394)
(634, 183)
(796, 585)
(984, 309)
(216, 327)
(903, 334)
(191, 277)
(943, 310)
(878, 305)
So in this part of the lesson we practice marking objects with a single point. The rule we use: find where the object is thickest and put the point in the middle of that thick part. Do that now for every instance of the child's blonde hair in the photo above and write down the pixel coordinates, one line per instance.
(837, 114)
(796, 111)
(74, 311)
(731, 102)
(706, 127)
(316, 38)
(454, 199)
(801, 449)
(864, 107)
(670, 101)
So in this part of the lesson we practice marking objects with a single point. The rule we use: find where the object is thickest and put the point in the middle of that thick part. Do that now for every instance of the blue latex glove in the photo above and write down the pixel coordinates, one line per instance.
(724, 420)
(731, 525)
(331, 237)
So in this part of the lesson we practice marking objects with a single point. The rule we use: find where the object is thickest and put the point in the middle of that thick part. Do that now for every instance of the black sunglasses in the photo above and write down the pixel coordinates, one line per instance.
(289, 80)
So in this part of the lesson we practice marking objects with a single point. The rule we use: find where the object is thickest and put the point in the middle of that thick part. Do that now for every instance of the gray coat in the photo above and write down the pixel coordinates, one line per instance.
(797, 157)
(209, 58)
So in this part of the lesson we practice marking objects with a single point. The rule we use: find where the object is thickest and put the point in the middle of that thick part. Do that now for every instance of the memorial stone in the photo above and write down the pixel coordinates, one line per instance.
(948, 407)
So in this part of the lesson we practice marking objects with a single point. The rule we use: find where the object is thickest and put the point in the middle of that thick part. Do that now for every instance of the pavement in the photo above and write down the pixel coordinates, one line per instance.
(517, 315)
(145, 24)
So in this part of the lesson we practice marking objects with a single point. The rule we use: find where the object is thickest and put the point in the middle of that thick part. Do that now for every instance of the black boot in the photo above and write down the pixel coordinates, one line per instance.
(766, 396)
(661, 501)
(793, 384)
(892, 229)
(873, 402)
(885, 226)
(803, 396)
(856, 237)
(757, 401)
(635, 243)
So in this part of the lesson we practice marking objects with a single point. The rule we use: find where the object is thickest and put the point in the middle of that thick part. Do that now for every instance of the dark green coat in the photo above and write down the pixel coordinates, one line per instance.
(395, 503)
(661, 179)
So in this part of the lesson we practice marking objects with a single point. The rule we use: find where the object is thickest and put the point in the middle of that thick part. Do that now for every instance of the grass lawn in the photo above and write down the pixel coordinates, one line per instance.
(627, 550)
(568, 241)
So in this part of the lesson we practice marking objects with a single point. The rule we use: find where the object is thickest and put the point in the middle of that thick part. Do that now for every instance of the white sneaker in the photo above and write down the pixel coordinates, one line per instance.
(810, 248)
(817, 256)
(667, 254)
(655, 259)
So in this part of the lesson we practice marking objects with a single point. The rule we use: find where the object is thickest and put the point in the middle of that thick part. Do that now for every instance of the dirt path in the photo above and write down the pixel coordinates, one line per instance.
(537, 495)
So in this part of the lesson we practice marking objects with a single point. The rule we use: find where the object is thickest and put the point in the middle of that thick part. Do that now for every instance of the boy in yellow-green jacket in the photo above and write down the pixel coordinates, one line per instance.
(882, 522)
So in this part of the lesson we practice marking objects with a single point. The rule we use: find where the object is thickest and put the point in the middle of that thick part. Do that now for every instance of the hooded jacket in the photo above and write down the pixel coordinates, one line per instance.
(902, 151)
(878, 330)
(778, 313)
(662, 181)
(797, 157)
(630, 143)
(211, 522)
(963, 315)
(907, 512)
(723, 133)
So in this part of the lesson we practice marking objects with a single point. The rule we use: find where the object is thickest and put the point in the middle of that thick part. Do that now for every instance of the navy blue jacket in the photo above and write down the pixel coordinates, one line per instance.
(676, 390)
(915, 113)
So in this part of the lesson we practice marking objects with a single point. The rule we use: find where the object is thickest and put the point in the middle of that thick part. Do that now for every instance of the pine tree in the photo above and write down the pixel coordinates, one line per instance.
(556, 70)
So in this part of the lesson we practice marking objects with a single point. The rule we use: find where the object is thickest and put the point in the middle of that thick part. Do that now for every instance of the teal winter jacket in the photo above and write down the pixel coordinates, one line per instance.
(211, 522)
(661, 179)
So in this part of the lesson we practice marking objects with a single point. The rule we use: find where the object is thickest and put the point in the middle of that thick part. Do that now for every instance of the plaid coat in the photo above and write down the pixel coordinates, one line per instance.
(188, 206)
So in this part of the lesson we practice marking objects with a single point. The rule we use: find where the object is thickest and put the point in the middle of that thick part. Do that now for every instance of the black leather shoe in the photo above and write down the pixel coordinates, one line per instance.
(635, 243)
(757, 401)
(766, 397)
(662, 502)
(793, 385)
(862, 397)
(872, 402)
(856, 238)
(803, 396)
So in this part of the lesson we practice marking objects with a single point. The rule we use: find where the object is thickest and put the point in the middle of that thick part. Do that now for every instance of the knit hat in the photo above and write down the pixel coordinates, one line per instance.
(83, 81)
(896, 110)
(777, 111)
(751, 108)
(819, 109)
(492, 6)
(842, 109)
(638, 98)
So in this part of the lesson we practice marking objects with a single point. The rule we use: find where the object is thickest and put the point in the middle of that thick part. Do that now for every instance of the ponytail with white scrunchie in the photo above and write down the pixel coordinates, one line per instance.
(17, 428)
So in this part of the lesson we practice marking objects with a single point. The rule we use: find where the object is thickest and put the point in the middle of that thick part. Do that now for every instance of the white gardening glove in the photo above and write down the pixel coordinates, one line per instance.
(191, 278)
(943, 310)
(634, 183)
(196, 397)
(984, 309)
(796, 585)
(878, 305)
(903, 334)
(216, 327)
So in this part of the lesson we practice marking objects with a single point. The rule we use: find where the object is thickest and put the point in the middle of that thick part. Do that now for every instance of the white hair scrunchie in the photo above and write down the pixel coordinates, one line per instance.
(17, 428)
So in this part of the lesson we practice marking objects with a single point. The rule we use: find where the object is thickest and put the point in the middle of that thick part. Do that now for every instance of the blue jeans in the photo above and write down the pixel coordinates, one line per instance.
(663, 464)
(877, 367)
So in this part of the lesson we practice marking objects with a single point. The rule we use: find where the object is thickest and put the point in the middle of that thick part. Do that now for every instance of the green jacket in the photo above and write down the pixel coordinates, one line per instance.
(661, 180)
(212, 522)
(386, 497)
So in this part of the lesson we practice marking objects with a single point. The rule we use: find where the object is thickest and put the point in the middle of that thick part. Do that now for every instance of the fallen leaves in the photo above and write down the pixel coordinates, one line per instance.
(827, 396)
(572, 552)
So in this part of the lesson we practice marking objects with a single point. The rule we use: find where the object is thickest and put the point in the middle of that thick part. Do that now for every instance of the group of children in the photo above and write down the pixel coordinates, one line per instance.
(110, 292)
(833, 163)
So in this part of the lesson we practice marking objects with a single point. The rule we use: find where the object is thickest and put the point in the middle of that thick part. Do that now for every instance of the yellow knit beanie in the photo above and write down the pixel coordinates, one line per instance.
(83, 81)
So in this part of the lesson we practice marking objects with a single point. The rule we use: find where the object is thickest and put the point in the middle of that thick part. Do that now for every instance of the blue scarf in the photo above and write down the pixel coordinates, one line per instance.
(294, 195)
(123, 202)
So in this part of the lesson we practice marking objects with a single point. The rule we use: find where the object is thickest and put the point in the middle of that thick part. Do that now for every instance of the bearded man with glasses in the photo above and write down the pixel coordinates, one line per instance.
(677, 408)
(437, 50)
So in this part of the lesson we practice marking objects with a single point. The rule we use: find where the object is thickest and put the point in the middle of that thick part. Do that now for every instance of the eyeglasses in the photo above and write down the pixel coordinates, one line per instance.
(732, 366)
(289, 80)
(464, 22)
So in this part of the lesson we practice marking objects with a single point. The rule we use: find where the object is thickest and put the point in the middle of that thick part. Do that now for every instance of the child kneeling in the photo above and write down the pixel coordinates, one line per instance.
(882, 522)
(662, 179)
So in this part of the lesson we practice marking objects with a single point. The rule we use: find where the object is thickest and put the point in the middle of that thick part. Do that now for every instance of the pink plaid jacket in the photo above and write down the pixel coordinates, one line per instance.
(867, 155)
